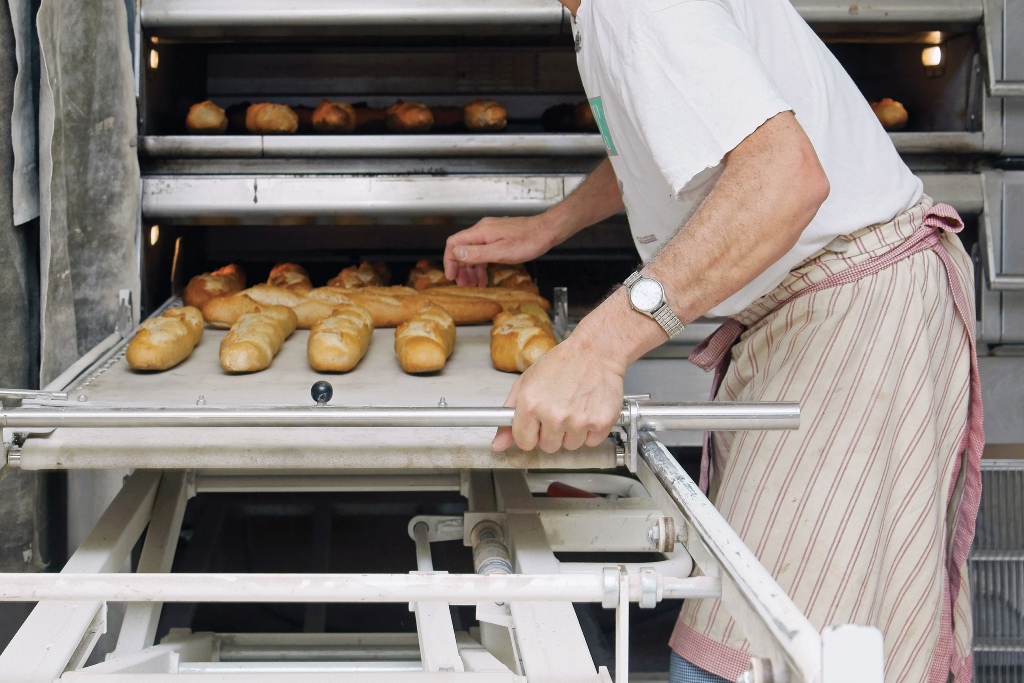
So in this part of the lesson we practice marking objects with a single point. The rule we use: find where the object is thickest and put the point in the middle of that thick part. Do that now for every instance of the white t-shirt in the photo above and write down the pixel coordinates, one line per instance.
(677, 84)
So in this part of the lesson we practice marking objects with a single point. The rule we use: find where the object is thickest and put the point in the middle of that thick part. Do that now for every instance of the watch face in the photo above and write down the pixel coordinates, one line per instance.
(646, 295)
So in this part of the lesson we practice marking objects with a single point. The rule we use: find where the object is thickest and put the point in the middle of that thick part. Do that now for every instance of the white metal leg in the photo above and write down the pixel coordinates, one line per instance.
(140, 620)
(49, 638)
(438, 649)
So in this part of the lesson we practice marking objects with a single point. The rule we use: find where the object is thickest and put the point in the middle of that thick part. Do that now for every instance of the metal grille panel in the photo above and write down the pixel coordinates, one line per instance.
(997, 574)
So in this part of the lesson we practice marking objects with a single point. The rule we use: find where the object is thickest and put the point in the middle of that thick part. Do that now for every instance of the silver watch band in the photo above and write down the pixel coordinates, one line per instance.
(632, 279)
(669, 321)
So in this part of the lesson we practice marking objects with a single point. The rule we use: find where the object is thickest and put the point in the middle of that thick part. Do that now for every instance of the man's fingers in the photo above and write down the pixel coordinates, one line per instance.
(595, 438)
(480, 275)
(550, 438)
(574, 439)
(525, 430)
(502, 440)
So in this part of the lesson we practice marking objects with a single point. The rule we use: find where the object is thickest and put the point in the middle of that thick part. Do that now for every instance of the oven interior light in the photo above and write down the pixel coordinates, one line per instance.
(154, 235)
(154, 59)
(932, 56)
(154, 40)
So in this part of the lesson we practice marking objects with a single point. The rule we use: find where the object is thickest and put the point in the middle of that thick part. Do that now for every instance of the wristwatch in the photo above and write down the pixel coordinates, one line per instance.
(647, 296)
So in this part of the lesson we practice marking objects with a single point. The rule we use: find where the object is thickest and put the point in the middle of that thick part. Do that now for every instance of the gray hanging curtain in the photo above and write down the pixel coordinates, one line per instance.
(89, 176)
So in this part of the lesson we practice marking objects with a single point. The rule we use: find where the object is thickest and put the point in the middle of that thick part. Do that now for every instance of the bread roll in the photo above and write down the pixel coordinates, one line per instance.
(427, 274)
(337, 343)
(334, 117)
(202, 288)
(206, 117)
(485, 115)
(518, 340)
(891, 114)
(424, 343)
(363, 275)
(371, 120)
(409, 117)
(583, 120)
(256, 338)
(512, 276)
(503, 295)
(266, 118)
(448, 119)
(161, 343)
(291, 276)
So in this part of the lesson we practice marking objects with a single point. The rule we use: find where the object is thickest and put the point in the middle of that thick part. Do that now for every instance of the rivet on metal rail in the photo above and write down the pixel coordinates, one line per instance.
(663, 534)
(442, 403)
(82, 398)
(201, 401)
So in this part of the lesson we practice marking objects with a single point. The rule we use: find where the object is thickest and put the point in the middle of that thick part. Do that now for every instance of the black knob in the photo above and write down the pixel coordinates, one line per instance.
(322, 392)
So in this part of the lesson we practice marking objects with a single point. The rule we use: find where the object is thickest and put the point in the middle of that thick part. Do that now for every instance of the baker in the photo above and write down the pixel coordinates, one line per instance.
(760, 187)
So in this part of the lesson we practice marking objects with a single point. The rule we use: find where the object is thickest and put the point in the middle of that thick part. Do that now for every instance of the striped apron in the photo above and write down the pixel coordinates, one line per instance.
(865, 514)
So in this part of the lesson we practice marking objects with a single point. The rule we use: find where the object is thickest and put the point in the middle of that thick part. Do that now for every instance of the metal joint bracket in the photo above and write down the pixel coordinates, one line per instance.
(439, 527)
(631, 404)
(648, 588)
(610, 586)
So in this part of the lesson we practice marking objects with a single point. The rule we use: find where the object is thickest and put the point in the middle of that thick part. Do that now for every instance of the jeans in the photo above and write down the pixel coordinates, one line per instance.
(681, 671)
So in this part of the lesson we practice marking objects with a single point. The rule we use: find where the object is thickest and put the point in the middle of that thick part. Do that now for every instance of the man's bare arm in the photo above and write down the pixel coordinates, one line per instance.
(519, 239)
(769, 191)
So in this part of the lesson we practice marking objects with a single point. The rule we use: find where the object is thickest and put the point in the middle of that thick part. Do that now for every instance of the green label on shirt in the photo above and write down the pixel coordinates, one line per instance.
(597, 107)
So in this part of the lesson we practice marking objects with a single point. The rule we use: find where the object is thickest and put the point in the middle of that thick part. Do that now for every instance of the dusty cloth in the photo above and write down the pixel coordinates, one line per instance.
(866, 513)
(89, 176)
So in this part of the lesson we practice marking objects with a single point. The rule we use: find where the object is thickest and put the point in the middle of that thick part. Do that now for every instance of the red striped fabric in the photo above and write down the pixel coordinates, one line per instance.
(859, 515)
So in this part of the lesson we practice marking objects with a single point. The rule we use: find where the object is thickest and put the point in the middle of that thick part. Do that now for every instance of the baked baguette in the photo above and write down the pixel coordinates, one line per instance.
(266, 118)
(518, 340)
(334, 117)
(427, 274)
(503, 295)
(255, 339)
(409, 117)
(465, 310)
(337, 343)
(485, 115)
(363, 275)
(424, 343)
(224, 311)
(291, 276)
(891, 114)
(511, 276)
(390, 306)
(163, 342)
(202, 288)
(206, 117)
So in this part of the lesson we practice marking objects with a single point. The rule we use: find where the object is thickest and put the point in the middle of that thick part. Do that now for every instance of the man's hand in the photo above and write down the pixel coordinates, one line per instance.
(494, 240)
(570, 397)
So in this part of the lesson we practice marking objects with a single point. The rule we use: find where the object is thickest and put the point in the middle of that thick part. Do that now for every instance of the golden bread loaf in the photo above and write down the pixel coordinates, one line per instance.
(202, 288)
(503, 295)
(163, 342)
(337, 343)
(334, 117)
(224, 311)
(363, 275)
(513, 276)
(891, 114)
(424, 342)
(519, 339)
(409, 117)
(290, 275)
(267, 118)
(427, 274)
(485, 115)
(206, 117)
(255, 339)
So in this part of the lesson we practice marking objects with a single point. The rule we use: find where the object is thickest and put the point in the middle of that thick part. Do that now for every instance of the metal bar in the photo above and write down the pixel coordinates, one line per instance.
(622, 630)
(424, 562)
(796, 640)
(281, 677)
(284, 483)
(460, 589)
(654, 416)
(138, 628)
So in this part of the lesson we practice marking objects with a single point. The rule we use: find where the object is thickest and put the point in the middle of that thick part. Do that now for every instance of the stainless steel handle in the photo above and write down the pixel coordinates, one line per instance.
(651, 416)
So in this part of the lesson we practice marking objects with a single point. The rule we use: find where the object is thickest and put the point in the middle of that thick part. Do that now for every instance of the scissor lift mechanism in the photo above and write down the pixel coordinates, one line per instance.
(522, 593)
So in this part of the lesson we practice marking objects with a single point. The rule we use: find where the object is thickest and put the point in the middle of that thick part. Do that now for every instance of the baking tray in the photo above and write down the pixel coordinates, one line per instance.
(469, 380)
